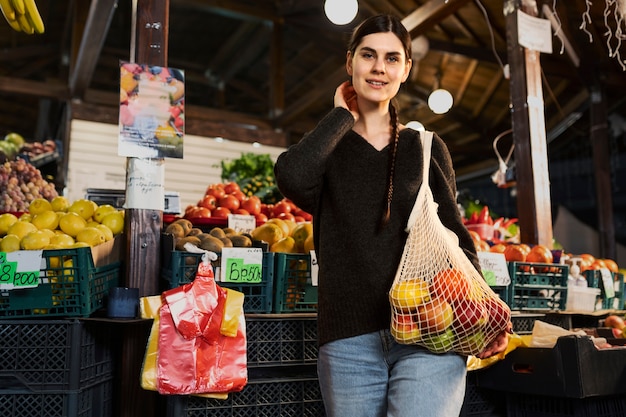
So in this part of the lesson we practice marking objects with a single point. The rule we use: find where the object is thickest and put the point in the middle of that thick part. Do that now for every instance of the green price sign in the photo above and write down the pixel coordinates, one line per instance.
(242, 265)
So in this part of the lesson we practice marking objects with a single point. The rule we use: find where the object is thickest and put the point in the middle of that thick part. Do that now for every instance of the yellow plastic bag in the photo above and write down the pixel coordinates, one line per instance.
(515, 341)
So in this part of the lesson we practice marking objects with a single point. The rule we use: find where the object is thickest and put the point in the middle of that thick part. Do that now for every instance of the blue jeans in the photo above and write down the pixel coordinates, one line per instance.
(373, 376)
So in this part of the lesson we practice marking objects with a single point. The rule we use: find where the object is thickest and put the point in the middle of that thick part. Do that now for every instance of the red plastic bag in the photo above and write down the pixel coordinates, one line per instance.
(196, 354)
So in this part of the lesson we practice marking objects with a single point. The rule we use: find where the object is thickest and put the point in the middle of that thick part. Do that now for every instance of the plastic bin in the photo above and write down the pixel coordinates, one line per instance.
(276, 341)
(582, 299)
(541, 406)
(294, 290)
(482, 402)
(536, 286)
(72, 283)
(258, 297)
(53, 355)
(91, 401)
(284, 397)
(594, 280)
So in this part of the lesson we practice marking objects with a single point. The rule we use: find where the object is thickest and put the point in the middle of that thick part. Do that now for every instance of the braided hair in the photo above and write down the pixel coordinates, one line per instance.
(395, 133)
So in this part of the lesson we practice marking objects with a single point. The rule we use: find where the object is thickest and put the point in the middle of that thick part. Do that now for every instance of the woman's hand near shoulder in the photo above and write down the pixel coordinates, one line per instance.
(345, 97)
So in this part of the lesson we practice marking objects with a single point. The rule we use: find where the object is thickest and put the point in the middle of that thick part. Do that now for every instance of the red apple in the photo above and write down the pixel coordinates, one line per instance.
(434, 316)
(469, 314)
(499, 314)
(617, 333)
(404, 329)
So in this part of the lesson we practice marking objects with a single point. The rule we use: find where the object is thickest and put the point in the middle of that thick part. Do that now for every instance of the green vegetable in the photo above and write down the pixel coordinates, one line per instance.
(255, 175)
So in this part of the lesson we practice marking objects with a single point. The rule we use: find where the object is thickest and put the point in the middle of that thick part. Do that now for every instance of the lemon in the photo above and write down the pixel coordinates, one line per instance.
(102, 211)
(91, 236)
(10, 243)
(108, 233)
(114, 221)
(6, 220)
(71, 223)
(60, 203)
(68, 273)
(284, 245)
(35, 240)
(21, 229)
(49, 233)
(39, 205)
(282, 224)
(46, 220)
(92, 223)
(62, 240)
(83, 207)
(26, 217)
(80, 245)
(300, 233)
(268, 232)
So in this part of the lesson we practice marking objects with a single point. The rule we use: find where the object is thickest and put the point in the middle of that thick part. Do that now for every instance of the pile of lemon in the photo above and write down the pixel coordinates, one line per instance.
(60, 224)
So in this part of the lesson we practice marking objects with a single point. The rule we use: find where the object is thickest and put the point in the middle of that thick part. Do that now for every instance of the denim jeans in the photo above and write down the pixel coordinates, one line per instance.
(373, 376)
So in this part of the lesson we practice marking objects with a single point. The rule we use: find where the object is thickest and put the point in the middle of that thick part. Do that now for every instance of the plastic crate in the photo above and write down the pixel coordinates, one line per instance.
(482, 402)
(284, 397)
(594, 280)
(536, 286)
(92, 401)
(504, 292)
(183, 266)
(294, 290)
(275, 341)
(70, 285)
(519, 405)
(523, 322)
(53, 355)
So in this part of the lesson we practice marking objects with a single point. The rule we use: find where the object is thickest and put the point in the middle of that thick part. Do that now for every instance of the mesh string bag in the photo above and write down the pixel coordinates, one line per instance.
(438, 298)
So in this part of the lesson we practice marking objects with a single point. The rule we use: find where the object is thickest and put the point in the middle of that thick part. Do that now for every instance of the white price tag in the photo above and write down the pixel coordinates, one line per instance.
(607, 281)
(241, 223)
(494, 269)
(314, 269)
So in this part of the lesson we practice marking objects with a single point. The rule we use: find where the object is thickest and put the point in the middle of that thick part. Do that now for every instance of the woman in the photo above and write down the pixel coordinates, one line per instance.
(358, 172)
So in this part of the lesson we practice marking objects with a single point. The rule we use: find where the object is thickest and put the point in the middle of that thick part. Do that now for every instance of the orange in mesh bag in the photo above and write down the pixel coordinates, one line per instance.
(438, 298)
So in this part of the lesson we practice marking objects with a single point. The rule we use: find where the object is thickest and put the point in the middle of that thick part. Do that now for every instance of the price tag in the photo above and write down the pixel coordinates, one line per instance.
(314, 269)
(607, 282)
(494, 269)
(20, 269)
(241, 223)
(242, 265)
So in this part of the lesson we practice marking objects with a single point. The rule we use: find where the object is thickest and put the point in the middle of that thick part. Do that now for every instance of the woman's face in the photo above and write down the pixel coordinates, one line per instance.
(378, 67)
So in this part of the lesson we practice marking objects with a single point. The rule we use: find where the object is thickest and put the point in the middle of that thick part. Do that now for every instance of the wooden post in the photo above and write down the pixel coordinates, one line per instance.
(529, 133)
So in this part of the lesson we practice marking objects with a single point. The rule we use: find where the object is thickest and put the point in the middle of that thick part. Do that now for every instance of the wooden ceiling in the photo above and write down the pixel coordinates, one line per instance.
(266, 70)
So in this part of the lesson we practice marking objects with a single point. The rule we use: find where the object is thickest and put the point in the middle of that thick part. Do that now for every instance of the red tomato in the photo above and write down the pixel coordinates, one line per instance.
(229, 202)
(299, 219)
(260, 218)
(231, 187)
(220, 212)
(268, 210)
(216, 190)
(239, 195)
(282, 207)
(286, 216)
(202, 212)
(208, 201)
(252, 204)
(241, 211)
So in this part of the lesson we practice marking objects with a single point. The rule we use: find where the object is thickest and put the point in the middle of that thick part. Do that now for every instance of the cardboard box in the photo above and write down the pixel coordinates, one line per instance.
(574, 368)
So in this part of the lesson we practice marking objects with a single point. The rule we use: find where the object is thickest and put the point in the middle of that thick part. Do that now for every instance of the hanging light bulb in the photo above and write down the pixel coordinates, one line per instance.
(341, 12)
(440, 101)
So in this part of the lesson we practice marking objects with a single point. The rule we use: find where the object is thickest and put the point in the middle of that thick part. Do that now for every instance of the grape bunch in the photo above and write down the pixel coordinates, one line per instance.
(21, 183)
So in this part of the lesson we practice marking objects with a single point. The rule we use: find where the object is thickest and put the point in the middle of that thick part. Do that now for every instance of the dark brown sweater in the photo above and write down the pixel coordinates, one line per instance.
(336, 175)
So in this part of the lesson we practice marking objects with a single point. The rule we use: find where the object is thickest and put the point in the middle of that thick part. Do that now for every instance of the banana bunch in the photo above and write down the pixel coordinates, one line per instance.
(22, 16)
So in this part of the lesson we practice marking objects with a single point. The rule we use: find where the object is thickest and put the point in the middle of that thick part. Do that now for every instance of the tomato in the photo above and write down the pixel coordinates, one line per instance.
(208, 201)
(231, 187)
(268, 210)
(239, 195)
(241, 211)
(260, 218)
(202, 212)
(301, 213)
(252, 205)
(514, 253)
(286, 216)
(229, 202)
(540, 254)
(282, 207)
(221, 212)
(216, 190)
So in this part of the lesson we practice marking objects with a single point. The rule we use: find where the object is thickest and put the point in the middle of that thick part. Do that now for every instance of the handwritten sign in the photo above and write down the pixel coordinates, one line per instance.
(241, 223)
(534, 33)
(19, 269)
(494, 269)
(145, 187)
(242, 265)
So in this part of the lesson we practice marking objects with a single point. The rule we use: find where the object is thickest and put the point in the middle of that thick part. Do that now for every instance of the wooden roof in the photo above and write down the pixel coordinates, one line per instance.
(273, 65)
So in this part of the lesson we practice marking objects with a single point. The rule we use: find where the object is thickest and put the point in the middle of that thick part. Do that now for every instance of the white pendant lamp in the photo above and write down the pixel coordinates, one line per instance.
(341, 12)
(440, 101)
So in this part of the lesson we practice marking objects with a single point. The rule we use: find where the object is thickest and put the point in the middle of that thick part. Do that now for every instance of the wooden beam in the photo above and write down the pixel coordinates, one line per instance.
(93, 37)
(430, 14)
(34, 88)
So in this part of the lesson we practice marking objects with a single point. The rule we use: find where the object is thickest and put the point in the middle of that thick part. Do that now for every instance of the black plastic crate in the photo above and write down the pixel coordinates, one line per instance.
(284, 397)
(482, 402)
(519, 405)
(92, 401)
(276, 341)
(523, 323)
(54, 355)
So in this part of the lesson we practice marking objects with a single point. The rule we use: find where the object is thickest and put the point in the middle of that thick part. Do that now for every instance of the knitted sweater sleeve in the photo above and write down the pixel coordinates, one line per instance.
(300, 169)
(443, 186)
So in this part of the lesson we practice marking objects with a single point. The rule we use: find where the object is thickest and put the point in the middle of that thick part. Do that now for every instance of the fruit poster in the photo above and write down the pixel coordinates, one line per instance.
(151, 117)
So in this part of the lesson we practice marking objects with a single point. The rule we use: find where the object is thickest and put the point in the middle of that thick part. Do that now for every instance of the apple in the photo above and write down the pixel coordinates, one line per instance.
(404, 329)
(499, 314)
(435, 316)
(407, 295)
(469, 314)
(439, 343)
(473, 343)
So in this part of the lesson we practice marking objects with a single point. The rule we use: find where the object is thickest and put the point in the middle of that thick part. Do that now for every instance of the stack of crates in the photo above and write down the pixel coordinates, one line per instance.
(52, 364)
(604, 301)
(55, 368)
(537, 286)
(281, 333)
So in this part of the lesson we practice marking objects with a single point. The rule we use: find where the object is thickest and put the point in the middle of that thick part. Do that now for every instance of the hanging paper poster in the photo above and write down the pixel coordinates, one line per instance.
(152, 108)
